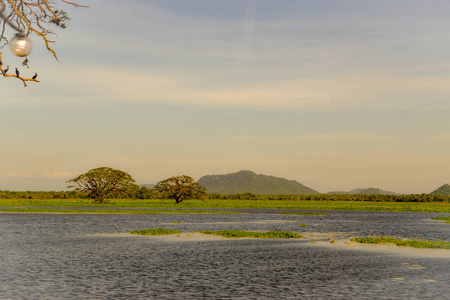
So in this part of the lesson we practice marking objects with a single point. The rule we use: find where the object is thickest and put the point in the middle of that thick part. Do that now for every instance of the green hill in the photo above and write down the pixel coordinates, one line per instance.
(367, 191)
(249, 182)
(443, 190)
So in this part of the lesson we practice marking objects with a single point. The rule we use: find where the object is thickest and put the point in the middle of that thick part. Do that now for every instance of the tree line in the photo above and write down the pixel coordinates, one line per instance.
(107, 183)
(141, 193)
(337, 197)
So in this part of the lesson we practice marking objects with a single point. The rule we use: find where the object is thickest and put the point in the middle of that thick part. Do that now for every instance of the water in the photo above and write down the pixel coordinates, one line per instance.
(62, 256)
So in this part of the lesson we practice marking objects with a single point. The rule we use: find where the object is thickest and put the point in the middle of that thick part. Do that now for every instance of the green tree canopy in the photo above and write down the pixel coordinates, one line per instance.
(98, 183)
(180, 188)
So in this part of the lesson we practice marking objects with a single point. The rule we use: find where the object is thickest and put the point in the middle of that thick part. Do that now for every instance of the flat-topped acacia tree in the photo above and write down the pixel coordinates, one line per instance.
(100, 182)
(25, 18)
(180, 188)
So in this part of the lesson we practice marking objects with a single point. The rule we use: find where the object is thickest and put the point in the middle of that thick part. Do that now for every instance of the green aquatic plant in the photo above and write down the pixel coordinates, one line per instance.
(446, 219)
(156, 231)
(303, 225)
(274, 234)
(409, 243)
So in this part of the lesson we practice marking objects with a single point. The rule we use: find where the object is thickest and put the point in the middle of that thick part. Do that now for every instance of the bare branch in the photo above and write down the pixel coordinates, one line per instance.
(24, 80)
(32, 17)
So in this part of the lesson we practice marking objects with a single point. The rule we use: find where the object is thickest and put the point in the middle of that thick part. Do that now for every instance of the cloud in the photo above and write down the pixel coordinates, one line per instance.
(244, 138)
(195, 87)
(16, 175)
(57, 174)
(349, 136)
(192, 60)
(313, 137)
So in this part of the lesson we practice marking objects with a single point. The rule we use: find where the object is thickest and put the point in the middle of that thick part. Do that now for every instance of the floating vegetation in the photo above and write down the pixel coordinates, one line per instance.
(409, 243)
(304, 213)
(274, 234)
(156, 231)
(446, 219)
(303, 225)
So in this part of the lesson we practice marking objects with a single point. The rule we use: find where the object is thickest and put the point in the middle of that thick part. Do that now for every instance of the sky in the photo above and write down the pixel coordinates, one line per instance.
(336, 94)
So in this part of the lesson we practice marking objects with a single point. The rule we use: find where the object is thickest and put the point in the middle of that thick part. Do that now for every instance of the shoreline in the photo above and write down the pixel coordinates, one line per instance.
(312, 240)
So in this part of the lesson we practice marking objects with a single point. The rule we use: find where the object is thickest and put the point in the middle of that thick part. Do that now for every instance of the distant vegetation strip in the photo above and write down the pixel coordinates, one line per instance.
(156, 231)
(337, 197)
(446, 219)
(112, 211)
(410, 243)
(235, 204)
(274, 234)
(304, 213)
(147, 194)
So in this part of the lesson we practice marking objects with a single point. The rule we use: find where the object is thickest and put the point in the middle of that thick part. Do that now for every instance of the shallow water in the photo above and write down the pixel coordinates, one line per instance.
(76, 256)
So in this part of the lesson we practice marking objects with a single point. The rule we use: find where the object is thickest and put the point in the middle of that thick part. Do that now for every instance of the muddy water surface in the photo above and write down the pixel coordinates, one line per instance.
(61, 256)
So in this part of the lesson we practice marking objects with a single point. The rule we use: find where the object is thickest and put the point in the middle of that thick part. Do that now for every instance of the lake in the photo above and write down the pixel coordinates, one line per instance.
(90, 256)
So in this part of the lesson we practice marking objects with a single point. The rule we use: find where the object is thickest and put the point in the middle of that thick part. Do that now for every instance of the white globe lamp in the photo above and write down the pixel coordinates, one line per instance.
(20, 45)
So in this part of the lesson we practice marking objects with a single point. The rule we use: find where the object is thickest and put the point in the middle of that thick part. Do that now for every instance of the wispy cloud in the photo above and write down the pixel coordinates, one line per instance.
(54, 175)
(57, 174)
(325, 93)
(348, 135)
(17, 175)
(313, 137)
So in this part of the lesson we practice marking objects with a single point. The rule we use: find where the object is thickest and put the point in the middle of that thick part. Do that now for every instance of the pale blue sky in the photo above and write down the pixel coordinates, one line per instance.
(334, 94)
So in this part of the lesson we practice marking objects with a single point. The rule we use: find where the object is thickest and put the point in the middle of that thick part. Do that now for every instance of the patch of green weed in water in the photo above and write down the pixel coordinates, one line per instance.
(274, 234)
(446, 219)
(409, 243)
(156, 231)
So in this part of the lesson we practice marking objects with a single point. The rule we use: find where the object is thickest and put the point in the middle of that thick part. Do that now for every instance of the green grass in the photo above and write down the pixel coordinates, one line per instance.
(244, 204)
(446, 219)
(264, 235)
(303, 225)
(111, 211)
(304, 213)
(409, 243)
(156, 231)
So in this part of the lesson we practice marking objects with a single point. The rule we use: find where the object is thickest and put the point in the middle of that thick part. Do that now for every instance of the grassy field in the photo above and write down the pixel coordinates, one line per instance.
(408, 243)
(111, 211)
(224, 204)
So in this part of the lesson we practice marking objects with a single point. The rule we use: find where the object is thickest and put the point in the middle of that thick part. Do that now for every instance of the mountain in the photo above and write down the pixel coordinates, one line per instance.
(250, 182)
(443, 190)
(367, 191)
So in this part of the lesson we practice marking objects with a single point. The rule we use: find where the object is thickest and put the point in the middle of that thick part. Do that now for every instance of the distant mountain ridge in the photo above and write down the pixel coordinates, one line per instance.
(249, 182)
(443, 190)
(366, 191)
